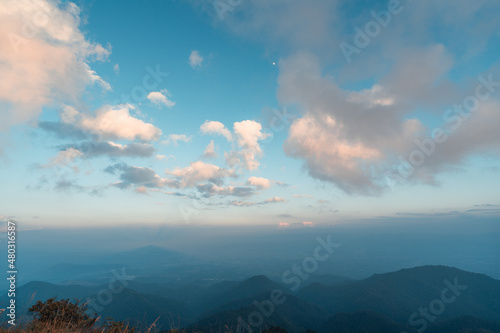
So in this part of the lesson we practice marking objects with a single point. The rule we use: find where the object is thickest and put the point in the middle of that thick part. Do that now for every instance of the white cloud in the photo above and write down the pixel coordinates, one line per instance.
(302, 196)
(248, 134)
(175, 138)
(246, 158)
(141, 190)
(111, 122)
(199, 172)
(116, 69)
(275, 200)
(97, 79)
(65, 157)
(160, 157)
(195, 59)
(44, 58)
(328, 157)
(159, 98)
(216, 127)
(210, 151)
(242, 203)
(346, 138)
(308, 224)
(259, 182)
(354, 139)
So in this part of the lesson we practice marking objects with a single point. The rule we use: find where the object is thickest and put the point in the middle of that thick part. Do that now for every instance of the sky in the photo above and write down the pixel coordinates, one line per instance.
(288, 113)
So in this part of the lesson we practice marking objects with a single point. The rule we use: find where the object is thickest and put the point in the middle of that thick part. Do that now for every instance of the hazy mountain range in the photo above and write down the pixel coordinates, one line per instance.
(155, 284)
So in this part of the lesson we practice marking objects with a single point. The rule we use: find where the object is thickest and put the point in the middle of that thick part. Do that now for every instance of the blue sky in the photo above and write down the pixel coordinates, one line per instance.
(247, 112)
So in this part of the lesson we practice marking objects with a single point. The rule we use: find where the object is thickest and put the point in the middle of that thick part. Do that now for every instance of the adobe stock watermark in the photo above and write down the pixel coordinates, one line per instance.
(279, 122)
(223, 6)
(437, 306)
(373, 28)
(453, 118)
(294, 277)
(105, 296)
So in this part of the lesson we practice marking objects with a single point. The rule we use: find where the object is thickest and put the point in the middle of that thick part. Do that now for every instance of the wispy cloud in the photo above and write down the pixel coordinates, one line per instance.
(195, 59)
(175, 138)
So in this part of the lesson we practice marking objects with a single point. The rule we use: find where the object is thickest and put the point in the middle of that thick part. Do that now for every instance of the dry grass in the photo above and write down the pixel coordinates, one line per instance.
(59, 328)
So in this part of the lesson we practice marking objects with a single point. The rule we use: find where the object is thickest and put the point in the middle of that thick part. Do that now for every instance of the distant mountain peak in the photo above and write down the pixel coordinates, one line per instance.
(258, 278)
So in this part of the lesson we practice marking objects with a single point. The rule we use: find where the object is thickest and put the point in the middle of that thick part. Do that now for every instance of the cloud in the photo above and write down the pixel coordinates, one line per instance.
(96, 79)
(260, 183)
(200, 172)
(195, 59)
(238, 203)
(248, 192)
(283, 225)
(275, 200)
(65, 185)
(208, 179)
(350, 138)
(108, 148)
(44, 58)
(211, 189)
(245, 158)
(216, 127)
(248, 133)
(210, 151)
(302, 196)
(141, 190)
(344, 137)
(116, 69)
(111, 122)
(477, 134)
(64, 158)
(63, 130)
(356, 139)
(314, 22)
(160, 157)
(133, 175)
(175, 138)
(159, 98)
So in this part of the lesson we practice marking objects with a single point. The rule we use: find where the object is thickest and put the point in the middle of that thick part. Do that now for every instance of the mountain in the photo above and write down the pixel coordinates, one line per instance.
(294, 314)
(28, 294)
(229, 293)
(249, 287)
(465, 324)
(437, 299)
(138, 308)
(398, 295)
(61, 273)
(141, 310)
(367, 321)
(325, 279)
(361, 322)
